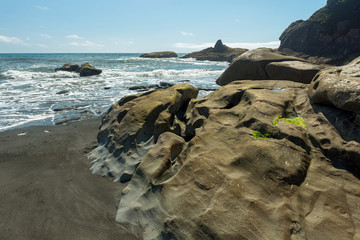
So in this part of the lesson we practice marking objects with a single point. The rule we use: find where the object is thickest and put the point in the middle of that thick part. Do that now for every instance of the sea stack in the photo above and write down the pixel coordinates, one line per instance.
(219, 52)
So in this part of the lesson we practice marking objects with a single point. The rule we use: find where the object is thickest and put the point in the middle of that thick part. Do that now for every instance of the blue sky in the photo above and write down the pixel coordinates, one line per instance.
(145, 25)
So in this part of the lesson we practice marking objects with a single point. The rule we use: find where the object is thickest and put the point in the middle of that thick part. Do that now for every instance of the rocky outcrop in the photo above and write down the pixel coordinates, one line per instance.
(331, 34)
(132, 126)
(339, 87)
(87, 70)
(266, 63)
(252, 160)
(68, 67)
(165, 54)
(219, 52)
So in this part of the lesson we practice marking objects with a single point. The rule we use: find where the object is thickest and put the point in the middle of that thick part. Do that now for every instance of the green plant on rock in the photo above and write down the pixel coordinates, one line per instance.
(293, 120)
(259, 135)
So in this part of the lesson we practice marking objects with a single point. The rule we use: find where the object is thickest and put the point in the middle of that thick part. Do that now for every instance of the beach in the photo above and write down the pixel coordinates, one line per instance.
(47, 190)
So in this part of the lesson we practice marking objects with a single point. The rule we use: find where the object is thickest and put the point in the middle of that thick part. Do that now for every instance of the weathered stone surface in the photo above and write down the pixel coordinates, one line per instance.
(68, 67)
(87, 70)
(251, 65)
(331, 34)
(219, 52)
(132, 125)
(243, 172)
(164, 54)
(296, 71)
(338, 86)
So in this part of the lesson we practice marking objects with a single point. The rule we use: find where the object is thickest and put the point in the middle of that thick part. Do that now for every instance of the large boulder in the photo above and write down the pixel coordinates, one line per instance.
(266, 63)
(87, 70)
(219, 52)
(132, 125)
(68, 67)
(253, 160)
(339, 87)
(331, 34)
(297, 71)
(164, 54)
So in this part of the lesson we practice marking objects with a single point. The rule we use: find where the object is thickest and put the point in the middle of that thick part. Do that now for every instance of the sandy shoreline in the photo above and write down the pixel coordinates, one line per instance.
(47, 190)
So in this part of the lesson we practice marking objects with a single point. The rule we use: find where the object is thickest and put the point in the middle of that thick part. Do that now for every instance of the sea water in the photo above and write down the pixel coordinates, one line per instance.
(32, 93)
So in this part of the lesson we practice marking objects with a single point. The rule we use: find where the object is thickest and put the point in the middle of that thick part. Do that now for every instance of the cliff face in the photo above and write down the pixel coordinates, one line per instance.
(332, 33)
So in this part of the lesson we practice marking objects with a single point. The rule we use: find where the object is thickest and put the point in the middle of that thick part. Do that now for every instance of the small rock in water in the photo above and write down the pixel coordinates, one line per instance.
(87, 70)
(68, 67)
(63, 92)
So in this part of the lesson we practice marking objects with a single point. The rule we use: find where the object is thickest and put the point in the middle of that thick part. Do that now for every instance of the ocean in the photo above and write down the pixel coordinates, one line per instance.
(32, 93)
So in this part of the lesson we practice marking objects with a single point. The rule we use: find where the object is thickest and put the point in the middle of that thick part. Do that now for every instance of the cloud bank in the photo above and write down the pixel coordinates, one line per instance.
(273, 44)
(85, 44)
(11, 40)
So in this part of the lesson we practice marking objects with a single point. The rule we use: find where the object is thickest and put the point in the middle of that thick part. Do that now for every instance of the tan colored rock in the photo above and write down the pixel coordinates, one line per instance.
(132, 125)
(251, 65)
(338, 86)
(297, 71)
(245, 173)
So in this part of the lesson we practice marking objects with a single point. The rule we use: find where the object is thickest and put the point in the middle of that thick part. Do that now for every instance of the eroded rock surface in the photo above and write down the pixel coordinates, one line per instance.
(132, 125)
(339, 87)
(266, 63)
(252, 160)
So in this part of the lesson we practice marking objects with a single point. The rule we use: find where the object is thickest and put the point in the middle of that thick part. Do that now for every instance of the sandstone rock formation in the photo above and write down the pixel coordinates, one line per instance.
(252, 160)
(132, 125)
(219, 52)
(266, 63)
(68, 67)
(339, 87)
(87, 70)
(332, 33)
(165, 54)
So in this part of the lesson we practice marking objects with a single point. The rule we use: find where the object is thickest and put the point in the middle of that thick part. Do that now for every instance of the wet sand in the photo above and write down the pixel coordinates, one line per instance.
(47, 190)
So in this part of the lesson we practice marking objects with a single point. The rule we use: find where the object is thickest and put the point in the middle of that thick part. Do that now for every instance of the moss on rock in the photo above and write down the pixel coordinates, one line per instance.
(293, 120)
(259, 135)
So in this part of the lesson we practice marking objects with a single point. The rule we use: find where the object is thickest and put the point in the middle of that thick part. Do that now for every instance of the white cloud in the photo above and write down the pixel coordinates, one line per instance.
(273, 44)
(193, 46)
(43, 8)
(45, 36)
(12, 40)
(73, 36)
(85, 44)
(187, 34)
(42, 46)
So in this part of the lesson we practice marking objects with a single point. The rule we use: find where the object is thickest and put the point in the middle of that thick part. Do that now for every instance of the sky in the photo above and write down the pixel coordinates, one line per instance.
(138, 26)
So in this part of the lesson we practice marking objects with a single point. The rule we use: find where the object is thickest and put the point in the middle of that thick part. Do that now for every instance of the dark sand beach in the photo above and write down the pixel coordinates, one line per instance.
(47, 190)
